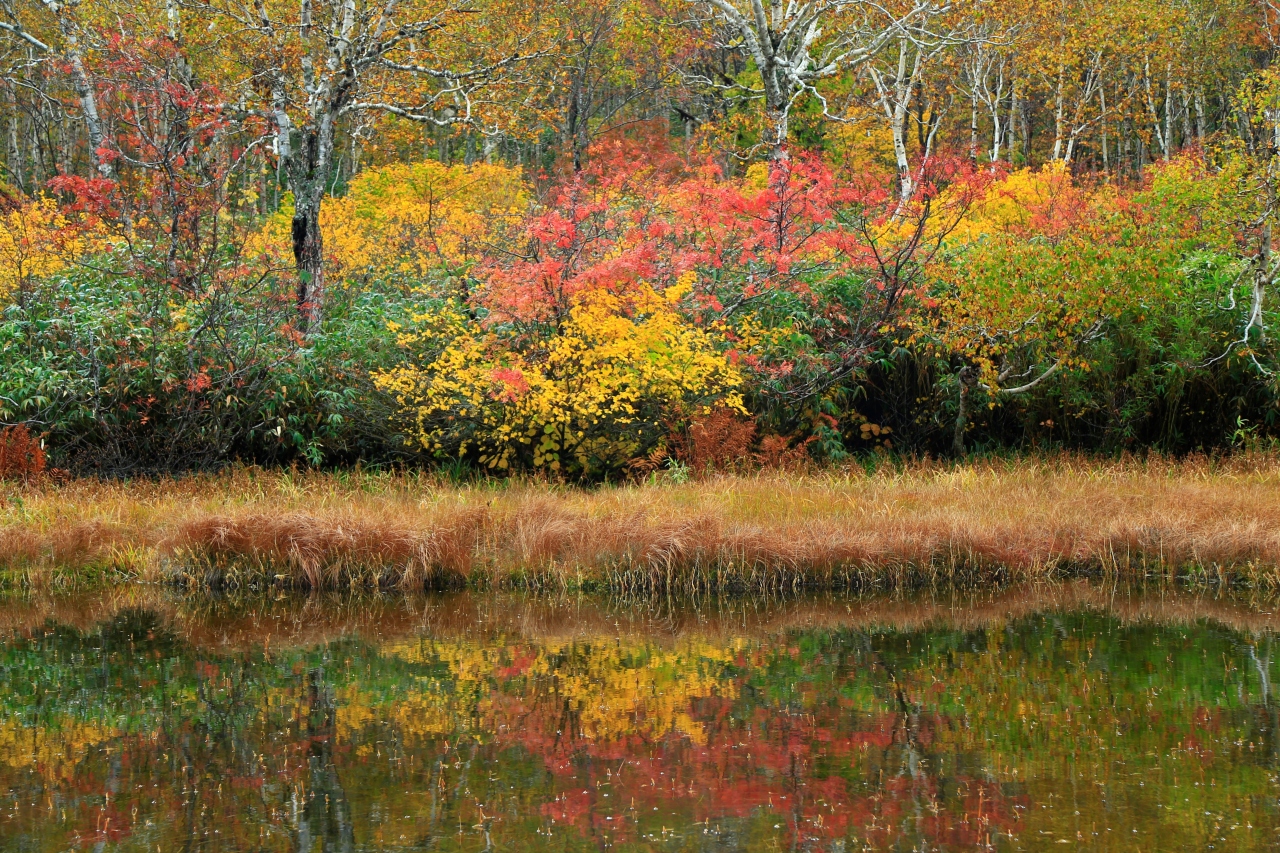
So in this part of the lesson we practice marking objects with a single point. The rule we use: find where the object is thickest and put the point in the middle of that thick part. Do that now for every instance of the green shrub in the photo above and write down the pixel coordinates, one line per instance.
(121, 375)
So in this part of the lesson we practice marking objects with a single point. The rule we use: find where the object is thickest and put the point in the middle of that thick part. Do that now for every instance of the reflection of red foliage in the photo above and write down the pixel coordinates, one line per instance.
(765, 763)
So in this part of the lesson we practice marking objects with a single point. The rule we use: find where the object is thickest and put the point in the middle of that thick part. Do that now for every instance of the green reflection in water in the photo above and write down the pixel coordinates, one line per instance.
(1060, 729)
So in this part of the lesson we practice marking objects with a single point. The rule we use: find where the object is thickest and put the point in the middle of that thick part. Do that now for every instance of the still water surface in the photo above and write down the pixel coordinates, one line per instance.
(1057, 718)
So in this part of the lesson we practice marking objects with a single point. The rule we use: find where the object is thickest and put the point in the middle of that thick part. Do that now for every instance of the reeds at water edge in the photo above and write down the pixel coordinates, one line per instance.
(897, 525)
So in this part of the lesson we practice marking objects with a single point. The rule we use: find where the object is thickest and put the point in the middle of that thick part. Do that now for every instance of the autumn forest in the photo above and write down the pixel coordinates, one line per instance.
(603, 239)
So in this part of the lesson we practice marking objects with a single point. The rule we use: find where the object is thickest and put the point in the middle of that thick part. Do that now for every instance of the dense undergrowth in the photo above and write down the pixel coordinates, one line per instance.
(790, 272)
(898, 525)
(664, 316)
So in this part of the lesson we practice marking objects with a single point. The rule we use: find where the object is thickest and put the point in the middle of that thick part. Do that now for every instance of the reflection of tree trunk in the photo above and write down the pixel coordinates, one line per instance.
(907, 722)
(326, 815)
(1271, 711)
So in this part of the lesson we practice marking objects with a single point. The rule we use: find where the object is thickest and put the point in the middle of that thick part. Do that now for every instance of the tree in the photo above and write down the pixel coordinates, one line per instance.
(610, 69)
(72, 54)
(308, 67)
(796, 45)
(899, 79)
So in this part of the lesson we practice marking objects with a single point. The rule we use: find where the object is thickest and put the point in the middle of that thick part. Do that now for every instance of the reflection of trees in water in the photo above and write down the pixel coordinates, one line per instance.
(325, 812)
(262, 737)
(932, 803)
(1266, 712)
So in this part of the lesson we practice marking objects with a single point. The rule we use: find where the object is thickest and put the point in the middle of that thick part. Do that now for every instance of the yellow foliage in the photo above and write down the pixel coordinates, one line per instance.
(33, 243)
(618, 364)
(1036, 268)
(862, 144)
(1010, 204)
(411, 218)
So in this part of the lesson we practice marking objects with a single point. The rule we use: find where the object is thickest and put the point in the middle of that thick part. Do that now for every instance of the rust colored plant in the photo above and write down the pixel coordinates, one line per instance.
(719, 440)
(21, 456)
(777, 451)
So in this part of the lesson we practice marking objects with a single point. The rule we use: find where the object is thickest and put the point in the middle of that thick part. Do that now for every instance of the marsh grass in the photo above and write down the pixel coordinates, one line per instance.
(895, 525)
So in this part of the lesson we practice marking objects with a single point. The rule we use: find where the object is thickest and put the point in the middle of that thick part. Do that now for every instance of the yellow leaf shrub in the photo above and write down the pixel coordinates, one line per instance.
(1018, 202)
(600, 390)
(411, 218)
(33, 243)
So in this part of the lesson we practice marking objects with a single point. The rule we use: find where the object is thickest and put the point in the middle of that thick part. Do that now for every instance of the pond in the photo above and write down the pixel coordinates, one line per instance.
(1025, 719)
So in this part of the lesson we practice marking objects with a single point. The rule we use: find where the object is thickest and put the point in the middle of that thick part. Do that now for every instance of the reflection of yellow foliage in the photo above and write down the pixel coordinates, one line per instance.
(574, 404)
(54, 752)
(411, 218)
(616, 688)
(620, 690)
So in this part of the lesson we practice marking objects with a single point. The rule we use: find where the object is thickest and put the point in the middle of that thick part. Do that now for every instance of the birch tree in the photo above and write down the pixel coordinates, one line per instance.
(899, 80)
(797, 44)
(311, 64)
(70, 51)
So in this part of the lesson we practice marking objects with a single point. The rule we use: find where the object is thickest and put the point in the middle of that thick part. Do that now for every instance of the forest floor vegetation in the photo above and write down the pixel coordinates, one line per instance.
(887, 524)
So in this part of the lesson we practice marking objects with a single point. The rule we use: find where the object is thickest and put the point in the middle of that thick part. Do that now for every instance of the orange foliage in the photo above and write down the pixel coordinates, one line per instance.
(718, 440)
(21, 456)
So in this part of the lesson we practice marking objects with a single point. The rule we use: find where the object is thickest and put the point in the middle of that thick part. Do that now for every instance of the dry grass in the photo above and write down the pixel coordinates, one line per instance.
(976, 523)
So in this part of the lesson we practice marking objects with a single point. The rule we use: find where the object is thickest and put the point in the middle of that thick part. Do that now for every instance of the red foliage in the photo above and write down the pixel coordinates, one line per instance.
(845, 250)
(169, 155)
(605, 227)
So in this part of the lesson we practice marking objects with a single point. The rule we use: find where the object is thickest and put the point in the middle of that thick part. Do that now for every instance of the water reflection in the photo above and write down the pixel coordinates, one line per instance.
(1066, 715)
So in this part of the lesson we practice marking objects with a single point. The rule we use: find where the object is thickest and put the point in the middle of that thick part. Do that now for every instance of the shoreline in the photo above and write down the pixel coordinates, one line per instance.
(900, 525)
(241, 621)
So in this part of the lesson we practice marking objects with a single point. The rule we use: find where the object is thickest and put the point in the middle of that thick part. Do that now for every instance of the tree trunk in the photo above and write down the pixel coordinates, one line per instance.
(967, 381)
(83, 86)
(1102, 120)
(778, 130)
(1058, 108)
(973, 125)
(307, 166)
(895, 98)
(16, 172)
(1188, 133)
(308, 256)
(1013, 119)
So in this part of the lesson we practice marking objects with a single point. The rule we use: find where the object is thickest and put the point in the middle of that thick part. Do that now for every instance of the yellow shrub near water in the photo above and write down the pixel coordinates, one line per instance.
(590, 397)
